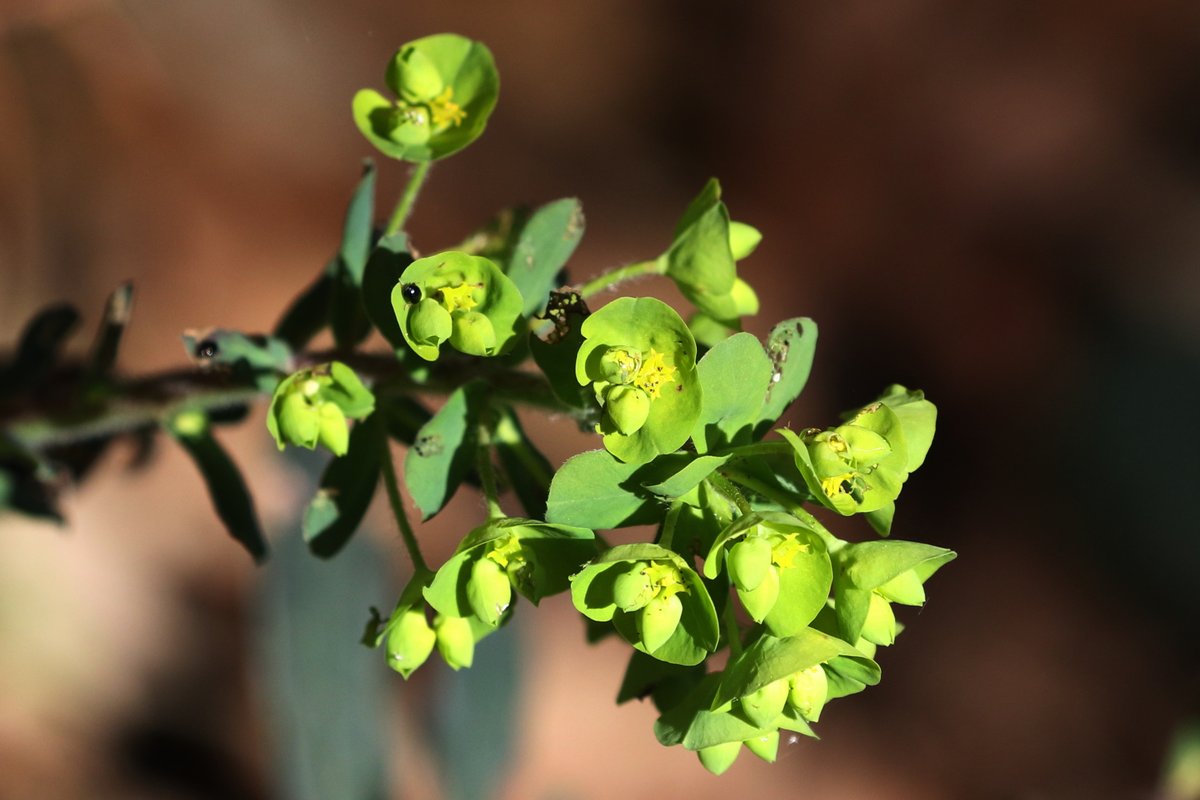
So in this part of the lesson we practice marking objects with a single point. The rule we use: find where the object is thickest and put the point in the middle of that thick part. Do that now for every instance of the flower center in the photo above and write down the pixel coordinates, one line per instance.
(653, 373)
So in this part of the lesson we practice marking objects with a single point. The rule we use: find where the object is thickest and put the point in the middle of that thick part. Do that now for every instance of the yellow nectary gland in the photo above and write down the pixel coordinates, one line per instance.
(653, 373)
(458, 298)
(620, 365)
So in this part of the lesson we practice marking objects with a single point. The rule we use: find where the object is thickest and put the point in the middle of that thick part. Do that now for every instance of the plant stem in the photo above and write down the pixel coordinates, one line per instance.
(733, 633)
(722, 486)
(487, 474)
(668, 529)
(610, 279)
(404, 207)
(397, 503)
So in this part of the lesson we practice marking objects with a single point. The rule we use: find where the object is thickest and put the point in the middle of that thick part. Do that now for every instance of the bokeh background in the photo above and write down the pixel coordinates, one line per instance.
(998, 202)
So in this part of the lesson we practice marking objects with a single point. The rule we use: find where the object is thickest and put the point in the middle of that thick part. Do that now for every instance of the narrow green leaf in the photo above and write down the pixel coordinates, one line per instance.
(108, 339)
(347, 487)
(790, 347)
(444, 450)
(555, 354)
(253, 359)
(228, 491)
(28, 484)
(403, 416)
(544, 244)
(348, 316)
(683, 480)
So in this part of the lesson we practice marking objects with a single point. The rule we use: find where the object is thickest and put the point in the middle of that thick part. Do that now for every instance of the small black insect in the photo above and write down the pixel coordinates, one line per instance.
(410, 292)
(207, 349)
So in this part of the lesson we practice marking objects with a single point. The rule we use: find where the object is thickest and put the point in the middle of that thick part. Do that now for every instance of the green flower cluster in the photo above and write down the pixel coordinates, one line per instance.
(639, 358)
(446, 87)
(460, 299)
(310, 407)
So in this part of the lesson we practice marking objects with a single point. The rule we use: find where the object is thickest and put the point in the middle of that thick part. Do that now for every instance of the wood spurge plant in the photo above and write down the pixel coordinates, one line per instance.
(684, 407)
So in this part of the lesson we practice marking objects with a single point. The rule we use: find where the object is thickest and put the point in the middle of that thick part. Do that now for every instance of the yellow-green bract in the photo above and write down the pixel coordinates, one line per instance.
(446, 87)
(311, 406)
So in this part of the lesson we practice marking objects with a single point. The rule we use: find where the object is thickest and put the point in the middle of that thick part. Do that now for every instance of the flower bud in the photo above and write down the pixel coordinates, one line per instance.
(419, 79)
(743, 239)
(628, 407)
(334, 432)
(455, 641)
(765, 747)
(866, 446)
(632, 589)
(764, 705)
(473, 333)
(409, 642)
(299, 421)
(748, 562)
(744, 298)
(880, 627)
(620, 364)
(411, 126)
(658, 620)
(760, 600)
(489, 591)
(809, 689)
(719, 757)
(429, 322)
(905, 588)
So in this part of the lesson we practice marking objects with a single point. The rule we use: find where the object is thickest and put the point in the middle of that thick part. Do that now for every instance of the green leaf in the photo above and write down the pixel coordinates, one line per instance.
(28, 483)
(544, 244)
(403, 416)
(700, 259)
(228, 491)
(108, 339)
(771, 658)
(666, 684)
(348, 316)
(735, 376)
(347, 487)
(39, 348)
(444, 450)
(595, 490)
(866, 566)
(790, 347)
(253, 359)
(386, 264)
(694, 726)
(528, 471)
(683, 480)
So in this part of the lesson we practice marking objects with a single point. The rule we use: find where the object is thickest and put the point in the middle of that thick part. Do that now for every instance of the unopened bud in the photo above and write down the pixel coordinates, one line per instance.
(719, 757)
(409, 642)
(743, 239)
(764, 705)
(419, 78)
(880, 626)
(905, 588)
(299, 421)
(749, 560)
(334, 433)
(809, 689)
(632, 588)
(765, 747)
(628, 407)
(761, 599)
(658, 620)
(455, 641)
(429, 322)
(489, 591)
(473, 333)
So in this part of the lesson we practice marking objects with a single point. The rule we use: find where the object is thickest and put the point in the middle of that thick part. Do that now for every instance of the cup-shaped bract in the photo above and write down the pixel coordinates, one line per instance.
(445, 86)
(654, 599)
(641, 344)
(460, 299)
(410, 640)
(455, 640)
(310, 407)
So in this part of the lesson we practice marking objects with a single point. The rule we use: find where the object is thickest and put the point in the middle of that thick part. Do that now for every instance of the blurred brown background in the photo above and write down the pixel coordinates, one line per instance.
(998, 202)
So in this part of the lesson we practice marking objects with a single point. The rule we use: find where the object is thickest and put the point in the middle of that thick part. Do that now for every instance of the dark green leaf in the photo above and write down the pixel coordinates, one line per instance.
(771, 658)
(595, 490)
(388, 260)
(228, 491)
(444, 450)
(666, 684)
(686, 477)
(347, 488)
(790, 346)
(529, 472)
(347, 314)
(308, 313)
(39, 347)
(253, 359)
(556, 353)
(28, 484)
(403, 416)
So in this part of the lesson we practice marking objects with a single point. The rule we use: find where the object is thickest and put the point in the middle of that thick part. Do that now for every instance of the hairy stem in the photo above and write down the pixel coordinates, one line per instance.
(405, 205)
(613, 277)
(487, 474)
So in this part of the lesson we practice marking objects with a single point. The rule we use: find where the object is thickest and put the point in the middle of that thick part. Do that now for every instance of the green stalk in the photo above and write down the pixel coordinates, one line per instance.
(405, 205)
(397, 503)
(613, 277)
(733, 634)
(487, 474)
